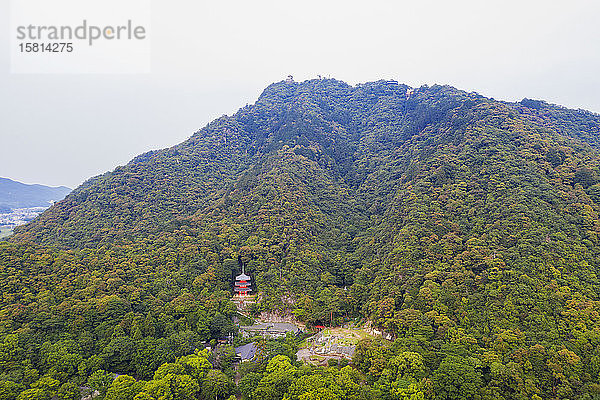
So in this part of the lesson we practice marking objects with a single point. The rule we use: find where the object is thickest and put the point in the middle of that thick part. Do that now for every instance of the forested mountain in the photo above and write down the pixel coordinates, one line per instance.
(19, 195)
(465, 227)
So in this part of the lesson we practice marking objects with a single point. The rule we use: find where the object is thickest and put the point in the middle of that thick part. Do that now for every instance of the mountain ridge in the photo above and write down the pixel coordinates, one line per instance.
(465, 227)
(276, 94)
(291, 96)
(15, 194)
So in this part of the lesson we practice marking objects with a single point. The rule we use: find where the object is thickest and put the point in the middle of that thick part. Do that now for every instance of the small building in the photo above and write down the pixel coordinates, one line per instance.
(269, 329)
(246, 352)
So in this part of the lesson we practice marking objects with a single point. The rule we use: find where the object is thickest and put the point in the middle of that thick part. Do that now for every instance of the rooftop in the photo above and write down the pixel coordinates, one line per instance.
(271, 327)
(247, 351)
(242, 277)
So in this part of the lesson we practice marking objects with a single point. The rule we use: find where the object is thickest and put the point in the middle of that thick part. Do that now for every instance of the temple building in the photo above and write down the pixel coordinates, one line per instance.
(269, 329)
(242, 284)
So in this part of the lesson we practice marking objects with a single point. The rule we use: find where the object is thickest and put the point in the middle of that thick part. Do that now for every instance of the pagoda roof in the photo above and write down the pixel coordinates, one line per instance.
(242, 277)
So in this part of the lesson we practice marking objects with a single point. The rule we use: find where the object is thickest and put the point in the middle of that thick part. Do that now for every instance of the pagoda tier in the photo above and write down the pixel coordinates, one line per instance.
(242, 278)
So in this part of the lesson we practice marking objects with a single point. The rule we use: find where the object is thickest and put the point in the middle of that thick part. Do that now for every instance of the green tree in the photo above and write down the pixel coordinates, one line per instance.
(124, 387)
(216, 385)
(456, 379)
(100, 380)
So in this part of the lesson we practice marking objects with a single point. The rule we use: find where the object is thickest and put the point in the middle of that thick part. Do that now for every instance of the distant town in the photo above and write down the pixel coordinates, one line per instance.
(18, 216)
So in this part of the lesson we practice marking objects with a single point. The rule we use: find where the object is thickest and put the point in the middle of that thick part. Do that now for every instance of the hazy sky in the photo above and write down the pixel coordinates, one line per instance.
(211, 58)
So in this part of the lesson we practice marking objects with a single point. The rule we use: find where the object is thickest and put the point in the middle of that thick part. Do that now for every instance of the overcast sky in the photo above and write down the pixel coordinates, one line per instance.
(211, 58)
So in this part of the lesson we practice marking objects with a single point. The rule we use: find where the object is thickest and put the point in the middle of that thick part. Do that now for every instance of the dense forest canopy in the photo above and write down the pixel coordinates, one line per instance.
(465, 227)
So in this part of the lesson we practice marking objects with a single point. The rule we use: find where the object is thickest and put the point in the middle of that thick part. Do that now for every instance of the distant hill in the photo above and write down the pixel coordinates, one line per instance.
(20, 195)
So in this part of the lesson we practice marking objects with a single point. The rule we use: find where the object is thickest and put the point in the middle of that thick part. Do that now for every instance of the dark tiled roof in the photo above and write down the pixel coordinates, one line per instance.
(271, 327)
(247, 351)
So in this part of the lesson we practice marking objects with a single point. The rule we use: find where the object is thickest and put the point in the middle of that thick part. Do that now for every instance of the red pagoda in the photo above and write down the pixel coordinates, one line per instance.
(242, 284)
